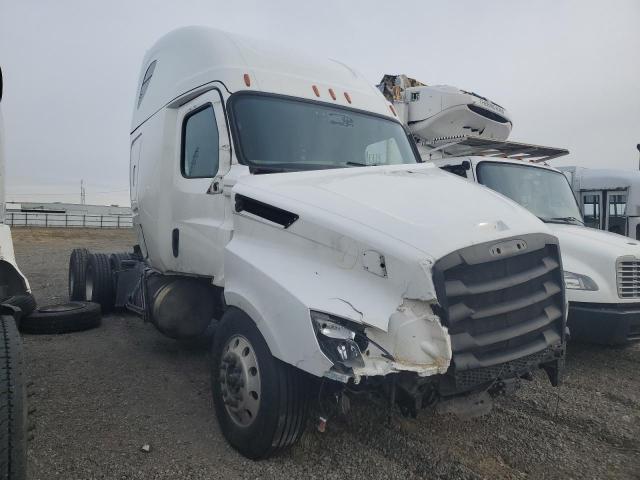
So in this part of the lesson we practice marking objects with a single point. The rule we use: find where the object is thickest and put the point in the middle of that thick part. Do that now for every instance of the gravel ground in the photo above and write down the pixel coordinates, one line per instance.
(100, 395)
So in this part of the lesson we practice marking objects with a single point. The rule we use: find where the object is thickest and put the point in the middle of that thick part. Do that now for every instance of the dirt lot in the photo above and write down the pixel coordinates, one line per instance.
(102, 394)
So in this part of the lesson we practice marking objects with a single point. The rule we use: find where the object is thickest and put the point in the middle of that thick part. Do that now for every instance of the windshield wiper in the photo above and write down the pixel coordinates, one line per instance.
(561, 220)
(358, 164)
(290, 167)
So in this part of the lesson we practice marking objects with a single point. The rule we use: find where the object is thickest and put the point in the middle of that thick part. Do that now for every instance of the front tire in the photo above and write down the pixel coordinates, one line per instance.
(261, 403)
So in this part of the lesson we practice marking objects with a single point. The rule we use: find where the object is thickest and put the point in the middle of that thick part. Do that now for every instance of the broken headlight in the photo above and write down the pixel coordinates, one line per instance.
(339, 339)
(575, 281)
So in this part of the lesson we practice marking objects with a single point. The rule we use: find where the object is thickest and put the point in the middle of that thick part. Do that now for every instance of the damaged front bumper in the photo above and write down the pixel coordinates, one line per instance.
(415, 342)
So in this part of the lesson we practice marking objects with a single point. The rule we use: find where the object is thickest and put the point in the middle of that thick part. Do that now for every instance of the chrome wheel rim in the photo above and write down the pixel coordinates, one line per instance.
(240, 380)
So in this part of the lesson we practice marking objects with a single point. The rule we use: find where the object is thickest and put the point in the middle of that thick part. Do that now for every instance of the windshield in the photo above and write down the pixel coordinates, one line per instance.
(282, 134)
(543, 192)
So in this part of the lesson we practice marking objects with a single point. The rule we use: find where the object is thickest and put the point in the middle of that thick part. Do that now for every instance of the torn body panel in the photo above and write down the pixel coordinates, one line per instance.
(416, 340)
(279, 275)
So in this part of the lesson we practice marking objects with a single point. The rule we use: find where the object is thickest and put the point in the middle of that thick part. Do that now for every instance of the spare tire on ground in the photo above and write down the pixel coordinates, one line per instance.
(64, 318)
(13, 403)
(25, 302)
(77, 269)
(99, 281)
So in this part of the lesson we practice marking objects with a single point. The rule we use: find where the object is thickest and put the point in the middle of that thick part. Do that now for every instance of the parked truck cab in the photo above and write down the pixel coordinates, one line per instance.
(281, 197)
(609, 198)
(12, 282)
(601, 269)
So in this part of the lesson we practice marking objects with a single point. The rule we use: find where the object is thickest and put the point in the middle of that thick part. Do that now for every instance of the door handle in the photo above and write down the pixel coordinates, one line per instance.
(175, 242)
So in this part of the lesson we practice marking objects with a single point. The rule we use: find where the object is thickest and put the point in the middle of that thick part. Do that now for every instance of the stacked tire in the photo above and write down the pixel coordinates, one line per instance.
(88, 274)
(65, 318)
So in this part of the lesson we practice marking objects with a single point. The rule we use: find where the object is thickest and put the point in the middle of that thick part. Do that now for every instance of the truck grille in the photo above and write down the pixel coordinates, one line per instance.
(628, 275)
(503, 303)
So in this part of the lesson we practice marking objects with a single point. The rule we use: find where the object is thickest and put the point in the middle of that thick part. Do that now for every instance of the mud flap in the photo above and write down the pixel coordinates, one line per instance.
(469, 406)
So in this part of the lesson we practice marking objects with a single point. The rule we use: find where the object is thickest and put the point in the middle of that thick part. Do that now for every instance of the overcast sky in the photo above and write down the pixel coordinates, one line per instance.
(567, 71)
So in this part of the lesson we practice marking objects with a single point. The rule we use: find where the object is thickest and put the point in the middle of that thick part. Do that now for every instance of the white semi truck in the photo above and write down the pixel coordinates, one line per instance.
(14, 287)
(601, 269)
(15, 299)
(282, 197)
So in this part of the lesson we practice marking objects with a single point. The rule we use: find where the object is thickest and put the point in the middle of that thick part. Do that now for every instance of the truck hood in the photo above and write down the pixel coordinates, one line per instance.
(593, 242)
(592, 252)
(417, 207)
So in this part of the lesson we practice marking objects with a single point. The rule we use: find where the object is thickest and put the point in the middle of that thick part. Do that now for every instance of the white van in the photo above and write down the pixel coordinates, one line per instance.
(609, 198)
(601, 269)
(253, 205)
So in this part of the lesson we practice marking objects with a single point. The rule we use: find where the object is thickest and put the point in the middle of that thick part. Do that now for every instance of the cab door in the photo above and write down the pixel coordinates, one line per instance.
(616, 220)
(198, 206)
(591, 202)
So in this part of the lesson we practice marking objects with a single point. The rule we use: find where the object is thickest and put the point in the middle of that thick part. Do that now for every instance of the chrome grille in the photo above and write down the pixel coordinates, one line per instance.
(628, 275)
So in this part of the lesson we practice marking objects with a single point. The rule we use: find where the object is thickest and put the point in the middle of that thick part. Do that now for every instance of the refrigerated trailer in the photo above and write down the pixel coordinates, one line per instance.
(279, 202)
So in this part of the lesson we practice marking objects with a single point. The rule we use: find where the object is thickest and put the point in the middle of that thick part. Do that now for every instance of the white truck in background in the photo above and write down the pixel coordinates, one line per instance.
(14, 287)
(601, 269)
(609, 198)
(281, 196)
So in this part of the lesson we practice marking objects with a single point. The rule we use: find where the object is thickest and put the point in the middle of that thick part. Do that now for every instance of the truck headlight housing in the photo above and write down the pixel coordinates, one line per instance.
(339, 339)
(575, 281)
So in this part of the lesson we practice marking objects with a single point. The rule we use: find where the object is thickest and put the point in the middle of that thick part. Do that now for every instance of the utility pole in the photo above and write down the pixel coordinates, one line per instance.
(82, 193)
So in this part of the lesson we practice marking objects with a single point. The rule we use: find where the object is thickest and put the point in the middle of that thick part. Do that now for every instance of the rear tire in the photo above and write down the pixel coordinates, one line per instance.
(66, 318)
(99, 281)
(77, 270)
(116, 259)
(13, 403)
(260, 416)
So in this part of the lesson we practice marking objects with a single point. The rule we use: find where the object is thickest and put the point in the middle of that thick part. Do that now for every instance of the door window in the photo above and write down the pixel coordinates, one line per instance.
(617, 213)
(200, 149)
(591, 210)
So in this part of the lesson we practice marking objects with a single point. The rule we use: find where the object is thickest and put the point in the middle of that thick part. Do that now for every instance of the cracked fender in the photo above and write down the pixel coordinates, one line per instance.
(277, 276)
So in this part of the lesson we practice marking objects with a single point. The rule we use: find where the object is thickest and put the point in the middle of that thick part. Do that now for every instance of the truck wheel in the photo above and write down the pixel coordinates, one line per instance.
(13, 403)
(99, 281)
(77, 269)
(116, 259)
(261, 403)
(65, 318)
(25, 302)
